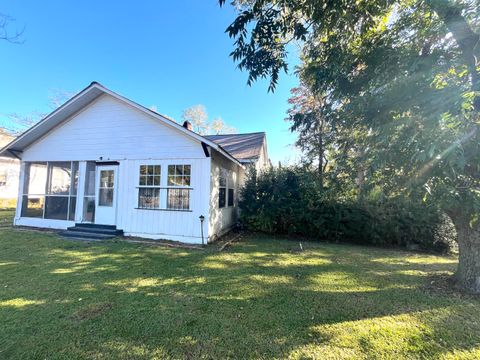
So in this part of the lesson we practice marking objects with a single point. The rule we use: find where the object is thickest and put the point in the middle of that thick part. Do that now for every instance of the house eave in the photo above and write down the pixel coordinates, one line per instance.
(79, 102)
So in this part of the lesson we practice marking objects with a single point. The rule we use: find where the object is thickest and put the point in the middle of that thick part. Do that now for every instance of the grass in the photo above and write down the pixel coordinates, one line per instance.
(261, 298)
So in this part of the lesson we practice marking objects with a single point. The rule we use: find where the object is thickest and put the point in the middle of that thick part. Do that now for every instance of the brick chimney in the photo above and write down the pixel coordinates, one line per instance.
(188, 125)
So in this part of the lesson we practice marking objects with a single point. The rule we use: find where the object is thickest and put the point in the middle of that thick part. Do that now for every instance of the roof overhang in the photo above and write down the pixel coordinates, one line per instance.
(77, 104)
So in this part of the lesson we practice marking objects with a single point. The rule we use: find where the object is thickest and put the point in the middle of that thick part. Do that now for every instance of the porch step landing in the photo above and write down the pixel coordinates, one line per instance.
(92, 232)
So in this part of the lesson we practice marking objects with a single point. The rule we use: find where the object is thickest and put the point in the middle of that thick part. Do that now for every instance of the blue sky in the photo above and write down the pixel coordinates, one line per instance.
(170, 54)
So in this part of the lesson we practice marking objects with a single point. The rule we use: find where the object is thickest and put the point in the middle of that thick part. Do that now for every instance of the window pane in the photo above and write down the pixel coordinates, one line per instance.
(73, 204)
(32, 206)
(149, 198)
(223, 178)
(59, 180)
(90, 179)
(171, 169)
(179, 170)
(56, 207)
(89, 209)
(230, 197)
(143, 180)
(186, 180)
(143, 170)
(174, 180)
(105, 197)
(156, 180)
(178, 199)
(186, 169)
(74, 185)
(221, 197)
(157, 170)
(106, 178)
(35, 178)
(150, 180)
(150, 169)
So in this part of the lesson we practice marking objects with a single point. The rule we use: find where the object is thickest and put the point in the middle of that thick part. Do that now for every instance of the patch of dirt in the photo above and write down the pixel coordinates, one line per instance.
(444, 284)
(164, 243)
(234, 235)
(91, 312)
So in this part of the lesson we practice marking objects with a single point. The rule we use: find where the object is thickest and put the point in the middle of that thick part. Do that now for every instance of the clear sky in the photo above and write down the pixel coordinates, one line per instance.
(168, 54)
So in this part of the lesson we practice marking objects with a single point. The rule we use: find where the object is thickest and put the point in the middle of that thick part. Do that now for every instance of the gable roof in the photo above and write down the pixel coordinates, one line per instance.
(244, 147)
(80, 101)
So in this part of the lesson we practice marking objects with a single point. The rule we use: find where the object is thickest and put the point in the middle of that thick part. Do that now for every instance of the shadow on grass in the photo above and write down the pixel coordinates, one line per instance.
(259, 299)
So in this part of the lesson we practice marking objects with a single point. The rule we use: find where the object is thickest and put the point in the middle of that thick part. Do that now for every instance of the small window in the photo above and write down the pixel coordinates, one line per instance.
(149, 187)
(106, 188)
(222, 191)
(231, 197)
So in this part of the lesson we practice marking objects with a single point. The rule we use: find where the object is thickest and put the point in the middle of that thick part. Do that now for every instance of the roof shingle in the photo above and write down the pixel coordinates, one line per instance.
(241, 146)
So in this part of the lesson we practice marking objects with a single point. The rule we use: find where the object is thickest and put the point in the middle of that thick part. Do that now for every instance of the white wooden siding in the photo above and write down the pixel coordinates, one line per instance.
(113, 130)
(164, 224)
(109, 129)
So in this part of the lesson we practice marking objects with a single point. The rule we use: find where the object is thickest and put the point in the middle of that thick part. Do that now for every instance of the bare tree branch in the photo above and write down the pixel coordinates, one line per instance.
(5, 34)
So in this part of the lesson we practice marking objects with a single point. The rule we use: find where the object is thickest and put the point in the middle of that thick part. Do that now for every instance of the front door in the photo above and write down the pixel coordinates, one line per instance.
(106, 195)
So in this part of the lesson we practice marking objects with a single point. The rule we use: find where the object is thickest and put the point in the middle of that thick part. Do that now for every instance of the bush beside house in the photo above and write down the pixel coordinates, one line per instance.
(288, 201)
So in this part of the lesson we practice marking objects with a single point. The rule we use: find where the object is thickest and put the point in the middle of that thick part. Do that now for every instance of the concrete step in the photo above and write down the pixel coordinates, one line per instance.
(87, 235)
(96, 226)
(96, 230)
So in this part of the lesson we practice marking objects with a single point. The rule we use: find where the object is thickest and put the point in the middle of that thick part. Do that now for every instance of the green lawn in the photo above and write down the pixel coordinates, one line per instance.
(260, 298)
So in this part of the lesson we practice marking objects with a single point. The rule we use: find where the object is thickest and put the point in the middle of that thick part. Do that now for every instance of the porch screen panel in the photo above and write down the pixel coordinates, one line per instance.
(50, 190)
(89, 198)
(58, 190)
(33, 199)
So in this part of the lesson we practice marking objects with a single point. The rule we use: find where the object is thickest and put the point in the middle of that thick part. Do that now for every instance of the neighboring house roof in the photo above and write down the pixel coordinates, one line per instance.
(244, 147)
(5, 137)
(83, 99)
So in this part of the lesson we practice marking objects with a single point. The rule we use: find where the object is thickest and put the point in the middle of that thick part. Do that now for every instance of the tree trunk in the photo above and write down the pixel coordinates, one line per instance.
(468, 237)
(467, 39)
(320, 160)
(361, 173)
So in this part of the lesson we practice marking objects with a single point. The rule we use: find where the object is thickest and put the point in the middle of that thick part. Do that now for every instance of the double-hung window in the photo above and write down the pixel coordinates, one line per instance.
(169, 193)
(222, 191)
(226, 192)
(178, 187)
(149, 187)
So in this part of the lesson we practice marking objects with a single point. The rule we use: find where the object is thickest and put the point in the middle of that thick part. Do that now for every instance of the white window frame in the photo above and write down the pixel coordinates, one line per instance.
(165, 187)
(181, 188)
(152, 186)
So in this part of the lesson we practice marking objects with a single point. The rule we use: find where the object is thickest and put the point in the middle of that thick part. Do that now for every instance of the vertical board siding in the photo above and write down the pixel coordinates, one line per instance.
(109, 129)
(163, 223)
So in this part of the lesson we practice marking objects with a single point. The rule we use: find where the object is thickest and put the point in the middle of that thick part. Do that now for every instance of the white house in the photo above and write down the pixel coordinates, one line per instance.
(9, 172)
(102, 164)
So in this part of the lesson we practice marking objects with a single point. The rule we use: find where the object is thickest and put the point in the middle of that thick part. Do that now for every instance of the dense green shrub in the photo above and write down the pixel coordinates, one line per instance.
(288, 201)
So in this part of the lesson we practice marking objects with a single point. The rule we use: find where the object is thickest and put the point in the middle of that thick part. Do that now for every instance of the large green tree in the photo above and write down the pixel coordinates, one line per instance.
(406, 74)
